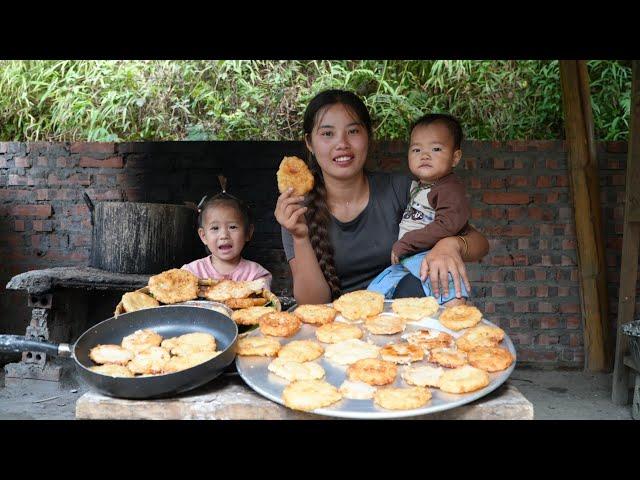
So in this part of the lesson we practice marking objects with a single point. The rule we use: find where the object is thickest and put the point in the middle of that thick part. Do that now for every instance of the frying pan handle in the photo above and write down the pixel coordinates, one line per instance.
(18, 344)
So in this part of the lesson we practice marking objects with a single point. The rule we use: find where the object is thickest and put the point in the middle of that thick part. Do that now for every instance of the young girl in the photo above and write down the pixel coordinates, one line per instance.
(224, 226)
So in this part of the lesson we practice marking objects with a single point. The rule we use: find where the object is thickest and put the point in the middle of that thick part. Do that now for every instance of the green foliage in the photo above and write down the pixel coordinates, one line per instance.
(264, 100)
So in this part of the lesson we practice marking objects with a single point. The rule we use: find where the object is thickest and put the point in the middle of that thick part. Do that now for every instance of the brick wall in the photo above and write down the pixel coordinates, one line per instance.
(528, 283)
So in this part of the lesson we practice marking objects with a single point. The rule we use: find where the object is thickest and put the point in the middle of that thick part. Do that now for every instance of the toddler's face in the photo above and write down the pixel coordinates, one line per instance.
(432, 154)
(224, 232)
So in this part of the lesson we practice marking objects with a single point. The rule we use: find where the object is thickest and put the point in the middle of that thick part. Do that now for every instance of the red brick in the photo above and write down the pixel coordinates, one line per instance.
(542, 291)
(573, 322)
(475, 183)
(502, 260)
(497, 213)
(475, 212)
(19, 226)
(523, 291)
(562, 181)
(545, 307)
(42, 226)
(17, 180)
(540, 274)
(111, 162)
(36, 241)
(507, 230)
(569, 308)
(79, 240)
(518, 164)
(66, 162)
(496, 183)
(566, 261)
(43, 161)
(553, 197)
(545, 339)
(568, 244)
(490, 307)
(505, 198)
(521, 338)
(575, 339)
(520, 259)
(518, 181)
(552, 163)
(22, 162)
(30, 210)
(517, 145)
(520, 275)
(543, 182)
(563, 291)
(616, 147)
(617, 180)
(521, 307)
(498, 291)
(105, 195)
(77, 178)
(92, 147)
(470, 163)
(514, 213)
(549, 322)
(498, 164)
(13, 194)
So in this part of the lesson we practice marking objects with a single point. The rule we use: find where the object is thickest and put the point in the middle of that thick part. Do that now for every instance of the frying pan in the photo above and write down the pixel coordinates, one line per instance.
(167, 321)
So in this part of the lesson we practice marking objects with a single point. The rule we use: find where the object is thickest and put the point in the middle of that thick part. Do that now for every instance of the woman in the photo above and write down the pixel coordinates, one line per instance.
(341, 239)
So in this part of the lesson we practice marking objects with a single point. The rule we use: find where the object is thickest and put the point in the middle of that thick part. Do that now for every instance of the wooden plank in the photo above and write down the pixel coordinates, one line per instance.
(630, 246)
(632, 202)
(583, 181)
(230, 399)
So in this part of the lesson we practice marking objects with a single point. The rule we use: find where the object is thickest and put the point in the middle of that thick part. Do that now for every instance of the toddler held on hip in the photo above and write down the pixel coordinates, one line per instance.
(224, 226)
(438, 206)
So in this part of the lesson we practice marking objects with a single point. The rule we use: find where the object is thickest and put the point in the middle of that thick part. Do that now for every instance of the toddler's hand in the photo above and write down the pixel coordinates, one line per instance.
(394, 259)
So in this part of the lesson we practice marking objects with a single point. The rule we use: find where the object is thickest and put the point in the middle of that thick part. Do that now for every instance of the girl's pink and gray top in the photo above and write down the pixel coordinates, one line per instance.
(245, 270)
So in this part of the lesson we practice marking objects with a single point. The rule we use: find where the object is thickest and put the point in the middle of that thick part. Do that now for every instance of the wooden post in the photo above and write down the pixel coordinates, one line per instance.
(583, 181)
(630, 245)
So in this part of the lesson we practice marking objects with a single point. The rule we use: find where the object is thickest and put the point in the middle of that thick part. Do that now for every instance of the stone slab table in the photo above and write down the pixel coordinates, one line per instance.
(228, 398)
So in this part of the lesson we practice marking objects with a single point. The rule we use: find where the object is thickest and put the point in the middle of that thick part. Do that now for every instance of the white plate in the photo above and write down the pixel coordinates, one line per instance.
(253, 370)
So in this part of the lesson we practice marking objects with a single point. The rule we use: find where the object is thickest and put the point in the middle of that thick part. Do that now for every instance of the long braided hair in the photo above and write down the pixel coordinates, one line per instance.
(318, 215)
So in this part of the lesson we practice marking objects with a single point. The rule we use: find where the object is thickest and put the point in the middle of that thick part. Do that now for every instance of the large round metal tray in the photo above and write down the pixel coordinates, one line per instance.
(253, 371)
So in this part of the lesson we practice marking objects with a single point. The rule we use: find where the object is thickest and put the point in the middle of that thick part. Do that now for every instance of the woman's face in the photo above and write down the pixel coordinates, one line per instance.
(340, 142)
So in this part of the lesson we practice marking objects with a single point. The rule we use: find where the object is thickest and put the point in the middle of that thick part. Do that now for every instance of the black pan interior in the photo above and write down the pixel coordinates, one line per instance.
(167, 321)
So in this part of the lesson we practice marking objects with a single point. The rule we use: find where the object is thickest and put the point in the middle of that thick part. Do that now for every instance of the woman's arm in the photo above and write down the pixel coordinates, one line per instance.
(309, 284)
(478, 246)
(447, 257)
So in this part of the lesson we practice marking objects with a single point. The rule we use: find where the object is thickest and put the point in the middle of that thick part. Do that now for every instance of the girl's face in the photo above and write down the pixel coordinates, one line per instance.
(339, 141)
(224, 232)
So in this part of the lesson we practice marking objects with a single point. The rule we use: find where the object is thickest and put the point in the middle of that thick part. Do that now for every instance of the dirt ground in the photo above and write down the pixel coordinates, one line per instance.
(556, 395)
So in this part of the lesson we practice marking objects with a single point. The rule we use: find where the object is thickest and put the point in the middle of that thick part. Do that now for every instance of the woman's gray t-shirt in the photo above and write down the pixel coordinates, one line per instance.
(363, 246)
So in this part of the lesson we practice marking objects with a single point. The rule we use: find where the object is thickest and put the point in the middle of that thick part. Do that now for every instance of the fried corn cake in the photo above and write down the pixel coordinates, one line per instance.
(174, 286)
(294, 173)
(360, 304)
(415, 308)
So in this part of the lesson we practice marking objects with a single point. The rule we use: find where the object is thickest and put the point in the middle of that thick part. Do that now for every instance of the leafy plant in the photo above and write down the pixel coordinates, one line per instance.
(264, 100)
